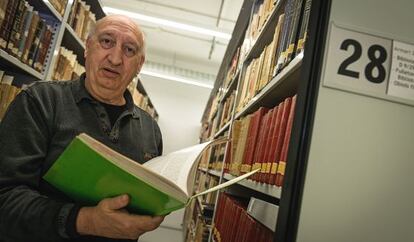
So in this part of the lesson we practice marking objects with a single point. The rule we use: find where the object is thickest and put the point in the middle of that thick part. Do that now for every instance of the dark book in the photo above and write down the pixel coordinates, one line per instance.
(294, 31)
(304, 27)
(16, 29)
(30, 36)
(24, 31)
(7, 24)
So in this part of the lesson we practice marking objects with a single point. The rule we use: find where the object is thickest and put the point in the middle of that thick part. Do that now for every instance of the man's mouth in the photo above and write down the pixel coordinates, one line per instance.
(110, 72)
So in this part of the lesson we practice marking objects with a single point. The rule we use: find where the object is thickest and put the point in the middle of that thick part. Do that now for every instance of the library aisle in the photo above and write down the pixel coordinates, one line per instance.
(315, 96)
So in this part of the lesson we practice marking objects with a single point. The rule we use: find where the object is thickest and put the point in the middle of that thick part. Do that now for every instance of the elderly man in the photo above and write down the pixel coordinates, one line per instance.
(45, 117)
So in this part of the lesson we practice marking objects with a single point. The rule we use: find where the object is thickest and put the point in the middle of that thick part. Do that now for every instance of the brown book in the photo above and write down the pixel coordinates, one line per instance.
(275, 47)
(282, 130)
(40, 28)
(241, 145)
(283, 157)
(46, 41)
(3, 6)
(7, 23)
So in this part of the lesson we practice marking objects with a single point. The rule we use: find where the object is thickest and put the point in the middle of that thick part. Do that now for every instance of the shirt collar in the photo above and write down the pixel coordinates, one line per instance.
(80, 92)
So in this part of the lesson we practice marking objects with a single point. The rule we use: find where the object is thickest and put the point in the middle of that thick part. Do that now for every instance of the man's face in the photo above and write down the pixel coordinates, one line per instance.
(114, 55)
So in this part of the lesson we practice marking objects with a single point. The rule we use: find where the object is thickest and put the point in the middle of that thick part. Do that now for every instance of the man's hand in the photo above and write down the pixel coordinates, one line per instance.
(109, 219)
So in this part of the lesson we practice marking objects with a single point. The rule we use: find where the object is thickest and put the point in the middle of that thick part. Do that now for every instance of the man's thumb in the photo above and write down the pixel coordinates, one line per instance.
(118, 202)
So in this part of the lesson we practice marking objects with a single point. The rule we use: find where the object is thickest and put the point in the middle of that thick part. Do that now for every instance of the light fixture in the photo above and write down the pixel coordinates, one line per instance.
(175, 78)
(168, 23)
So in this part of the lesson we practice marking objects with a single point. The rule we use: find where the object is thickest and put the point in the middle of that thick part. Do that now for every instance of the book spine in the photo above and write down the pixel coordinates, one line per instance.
(7, 24)
(16, 28)
(283, 157)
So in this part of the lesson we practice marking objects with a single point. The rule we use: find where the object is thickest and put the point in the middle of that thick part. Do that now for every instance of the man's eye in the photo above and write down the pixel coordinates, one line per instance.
(130, 51)
(106, 43)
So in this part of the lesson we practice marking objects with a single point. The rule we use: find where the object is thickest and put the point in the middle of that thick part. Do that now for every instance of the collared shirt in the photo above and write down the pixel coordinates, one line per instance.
(38, 126)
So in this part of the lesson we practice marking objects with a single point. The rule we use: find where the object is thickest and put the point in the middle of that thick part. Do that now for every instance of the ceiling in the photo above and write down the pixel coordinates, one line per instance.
(181, 52)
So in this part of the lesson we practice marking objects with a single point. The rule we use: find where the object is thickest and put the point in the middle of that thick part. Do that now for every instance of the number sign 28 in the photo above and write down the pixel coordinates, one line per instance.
(374, 70)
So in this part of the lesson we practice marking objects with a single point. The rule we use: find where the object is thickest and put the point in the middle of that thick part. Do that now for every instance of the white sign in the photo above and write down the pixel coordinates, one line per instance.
(357, 62)
(401, 83)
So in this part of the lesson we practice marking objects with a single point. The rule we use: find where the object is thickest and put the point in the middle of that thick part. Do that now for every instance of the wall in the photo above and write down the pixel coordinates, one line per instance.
(359, 176)
(180, 107)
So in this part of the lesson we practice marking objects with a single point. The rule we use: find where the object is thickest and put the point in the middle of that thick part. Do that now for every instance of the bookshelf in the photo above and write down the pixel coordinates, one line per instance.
(345, 129)
(63, 35)
(268, 100)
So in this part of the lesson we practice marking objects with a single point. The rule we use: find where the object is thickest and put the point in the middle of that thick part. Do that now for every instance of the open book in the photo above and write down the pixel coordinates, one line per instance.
(88, 171)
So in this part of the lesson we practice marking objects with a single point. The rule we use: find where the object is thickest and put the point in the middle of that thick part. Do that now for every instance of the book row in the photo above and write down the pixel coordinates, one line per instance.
(81, 19)
(10, 85)
(223, 115)
(66, 66)
(288, 39)
(232, 222)
(261, 141)
(25, 33)
(59, 5)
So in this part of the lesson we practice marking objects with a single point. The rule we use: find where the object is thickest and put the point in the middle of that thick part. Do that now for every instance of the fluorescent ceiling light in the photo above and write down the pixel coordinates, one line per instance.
(168, 23)
(175, 78)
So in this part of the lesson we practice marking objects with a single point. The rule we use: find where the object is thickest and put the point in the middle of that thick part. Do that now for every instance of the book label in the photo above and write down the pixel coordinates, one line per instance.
(368, 64)
(401, 82)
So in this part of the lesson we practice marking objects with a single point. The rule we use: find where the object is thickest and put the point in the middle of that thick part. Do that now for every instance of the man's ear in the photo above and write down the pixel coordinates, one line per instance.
(141, 63)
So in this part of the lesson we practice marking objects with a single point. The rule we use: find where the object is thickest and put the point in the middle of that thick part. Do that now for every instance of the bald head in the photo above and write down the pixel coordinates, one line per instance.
(117, 20)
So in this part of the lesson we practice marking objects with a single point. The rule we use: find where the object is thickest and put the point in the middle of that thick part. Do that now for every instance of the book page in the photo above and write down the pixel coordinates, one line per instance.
(178, 166)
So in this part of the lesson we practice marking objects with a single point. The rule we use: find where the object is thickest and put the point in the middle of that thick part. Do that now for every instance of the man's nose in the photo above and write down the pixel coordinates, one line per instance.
(115, 56)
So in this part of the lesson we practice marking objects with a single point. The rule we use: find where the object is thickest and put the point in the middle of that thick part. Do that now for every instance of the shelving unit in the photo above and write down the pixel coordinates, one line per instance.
(359, 118)
(8, 61)
(266, 189)
(287, 82)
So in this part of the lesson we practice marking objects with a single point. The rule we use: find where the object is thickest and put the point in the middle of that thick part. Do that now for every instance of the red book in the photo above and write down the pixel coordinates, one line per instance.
(262, 158)
(281, 135)
(273, 166)
(283, 157)
(254, 137)
(270, 147)
(259, 146)
(241, 227)
(251, 229)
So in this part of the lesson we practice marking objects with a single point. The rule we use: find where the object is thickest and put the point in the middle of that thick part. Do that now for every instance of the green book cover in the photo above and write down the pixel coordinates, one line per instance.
(88, 171)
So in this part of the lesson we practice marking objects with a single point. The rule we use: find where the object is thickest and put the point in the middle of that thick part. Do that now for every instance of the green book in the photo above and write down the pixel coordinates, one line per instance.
(88, 171)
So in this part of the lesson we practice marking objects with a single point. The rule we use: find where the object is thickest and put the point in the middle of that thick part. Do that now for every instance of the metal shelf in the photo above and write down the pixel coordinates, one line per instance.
(231, 87)
(221, 131)
(264, 212)
(12, 62)
(72, 42)
(270, 190)
(214, 173)
(46, 7)
(281, 86)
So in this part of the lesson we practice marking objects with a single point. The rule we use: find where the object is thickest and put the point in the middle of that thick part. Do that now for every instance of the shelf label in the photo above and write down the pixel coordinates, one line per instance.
(401, 82)
(369, 64)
